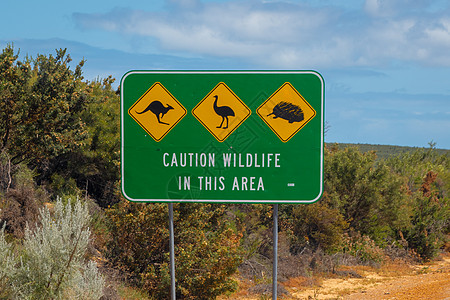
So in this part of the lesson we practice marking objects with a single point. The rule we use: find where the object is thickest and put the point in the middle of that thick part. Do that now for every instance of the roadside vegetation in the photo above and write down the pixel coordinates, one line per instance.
(67, 231)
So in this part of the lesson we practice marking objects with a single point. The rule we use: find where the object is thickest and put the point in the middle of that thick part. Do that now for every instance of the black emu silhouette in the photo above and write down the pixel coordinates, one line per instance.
(157, 108)
(223, 111)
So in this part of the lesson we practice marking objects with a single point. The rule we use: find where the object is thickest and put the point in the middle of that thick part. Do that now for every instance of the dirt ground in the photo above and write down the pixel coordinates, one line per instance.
(431, 281)
(392, 281)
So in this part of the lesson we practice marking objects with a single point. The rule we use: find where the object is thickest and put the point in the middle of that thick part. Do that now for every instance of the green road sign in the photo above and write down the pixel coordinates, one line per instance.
(222, 136)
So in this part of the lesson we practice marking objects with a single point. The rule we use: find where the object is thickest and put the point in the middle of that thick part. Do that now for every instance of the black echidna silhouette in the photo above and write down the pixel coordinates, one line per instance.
(287, 111)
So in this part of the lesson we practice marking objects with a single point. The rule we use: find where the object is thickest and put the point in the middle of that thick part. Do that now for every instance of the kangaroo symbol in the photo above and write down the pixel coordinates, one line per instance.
(223, 111)
(157, 108)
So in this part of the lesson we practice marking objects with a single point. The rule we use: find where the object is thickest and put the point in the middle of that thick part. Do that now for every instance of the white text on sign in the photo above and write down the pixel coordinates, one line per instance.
(235, 160)
(213, 183)
(228, 160)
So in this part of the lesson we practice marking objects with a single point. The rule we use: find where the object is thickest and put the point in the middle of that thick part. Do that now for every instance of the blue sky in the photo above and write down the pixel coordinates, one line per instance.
(386, 63)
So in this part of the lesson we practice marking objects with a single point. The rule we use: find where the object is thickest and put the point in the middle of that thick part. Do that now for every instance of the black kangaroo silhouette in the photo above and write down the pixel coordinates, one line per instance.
(223, 111)
(157, 108)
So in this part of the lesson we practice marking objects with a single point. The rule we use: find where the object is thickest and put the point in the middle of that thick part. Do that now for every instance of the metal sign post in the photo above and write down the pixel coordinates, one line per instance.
(275, 252)
(172, 253)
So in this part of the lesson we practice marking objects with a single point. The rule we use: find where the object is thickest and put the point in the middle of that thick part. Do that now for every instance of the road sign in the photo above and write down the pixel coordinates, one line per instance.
(221, 111)
(286, 112)
(152, 107)
(208, 136)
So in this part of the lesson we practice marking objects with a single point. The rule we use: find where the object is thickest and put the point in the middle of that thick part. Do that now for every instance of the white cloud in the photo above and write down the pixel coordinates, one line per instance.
(287, 35)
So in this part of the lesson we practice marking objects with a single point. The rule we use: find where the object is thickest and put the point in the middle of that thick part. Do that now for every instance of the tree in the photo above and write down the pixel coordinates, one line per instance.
(427, 175)
(64, 128)
(14, 78)
(94, 167)
(101, 154)
(430, 220)
(371, 198)
(41, 103)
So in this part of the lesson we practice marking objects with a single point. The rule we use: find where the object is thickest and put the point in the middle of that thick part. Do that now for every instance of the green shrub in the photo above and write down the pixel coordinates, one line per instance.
(21, 200)
(6, 265)
(366, 192)
(66, 188)
(206, 248)
(51, 263)
(362, 247)
(318, 226)
(427, 175)
(430, 220)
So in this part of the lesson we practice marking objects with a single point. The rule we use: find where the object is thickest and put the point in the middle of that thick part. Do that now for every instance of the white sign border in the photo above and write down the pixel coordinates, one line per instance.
(268, 201)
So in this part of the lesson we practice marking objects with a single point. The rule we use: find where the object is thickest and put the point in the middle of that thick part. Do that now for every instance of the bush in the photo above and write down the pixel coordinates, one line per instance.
(318, 226)
(362, 247)
(430, 220)
(6, 265)
(21, 201)
(427, 175)
(51, 264)
(206, 248)
(367, 193)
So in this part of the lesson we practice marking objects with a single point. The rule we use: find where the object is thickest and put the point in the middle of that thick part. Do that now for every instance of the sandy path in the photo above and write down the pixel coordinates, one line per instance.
(393, 282)
(426, 286)
(430, 281)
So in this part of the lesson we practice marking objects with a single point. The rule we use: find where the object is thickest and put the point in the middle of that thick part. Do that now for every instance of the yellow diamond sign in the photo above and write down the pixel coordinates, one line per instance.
(221, 111)
(157, 111)
(286, 112)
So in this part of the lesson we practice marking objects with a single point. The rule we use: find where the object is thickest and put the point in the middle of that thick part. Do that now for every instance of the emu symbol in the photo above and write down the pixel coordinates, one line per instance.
(223, 111)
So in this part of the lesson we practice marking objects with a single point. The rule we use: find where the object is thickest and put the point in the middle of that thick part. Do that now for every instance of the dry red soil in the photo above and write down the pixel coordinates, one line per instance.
(397, 281)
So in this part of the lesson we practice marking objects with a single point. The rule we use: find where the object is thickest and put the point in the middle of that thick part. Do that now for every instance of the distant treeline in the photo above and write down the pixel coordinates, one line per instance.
(384, 151)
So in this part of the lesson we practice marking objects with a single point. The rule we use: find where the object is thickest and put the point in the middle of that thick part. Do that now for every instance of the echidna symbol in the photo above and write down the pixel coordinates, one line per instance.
(287, 111)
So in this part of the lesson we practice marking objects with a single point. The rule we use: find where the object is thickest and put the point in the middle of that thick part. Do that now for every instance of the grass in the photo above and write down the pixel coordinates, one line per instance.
(131, 293)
